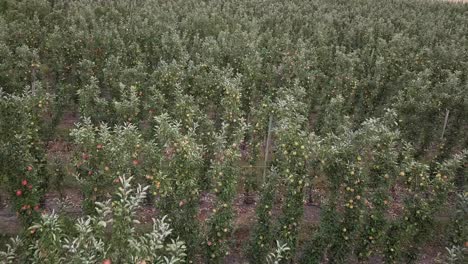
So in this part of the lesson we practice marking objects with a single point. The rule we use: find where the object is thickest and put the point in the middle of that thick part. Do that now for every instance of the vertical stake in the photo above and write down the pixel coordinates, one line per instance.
(267, 147)
(445, 122)
(33, 79)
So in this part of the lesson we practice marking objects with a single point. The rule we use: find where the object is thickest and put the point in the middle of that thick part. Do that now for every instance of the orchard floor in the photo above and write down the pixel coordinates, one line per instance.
(68, 198)
(69, 202)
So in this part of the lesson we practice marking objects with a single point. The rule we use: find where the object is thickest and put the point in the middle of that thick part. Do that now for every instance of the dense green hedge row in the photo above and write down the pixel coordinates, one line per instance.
(365, 97)
(408, 55)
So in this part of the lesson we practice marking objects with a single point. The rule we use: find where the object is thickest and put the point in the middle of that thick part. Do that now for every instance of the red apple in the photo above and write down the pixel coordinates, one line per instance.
(99, 146)
(107, 261)
(135, 162)
(29, 168)
(24, 182)
(19, 193)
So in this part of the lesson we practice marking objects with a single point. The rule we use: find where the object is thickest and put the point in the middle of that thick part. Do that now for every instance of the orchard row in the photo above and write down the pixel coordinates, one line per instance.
(366, 100)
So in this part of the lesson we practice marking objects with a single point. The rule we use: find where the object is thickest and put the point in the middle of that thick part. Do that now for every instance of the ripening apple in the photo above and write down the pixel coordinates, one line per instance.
(24, 182)
(19, 193)
(106, 261)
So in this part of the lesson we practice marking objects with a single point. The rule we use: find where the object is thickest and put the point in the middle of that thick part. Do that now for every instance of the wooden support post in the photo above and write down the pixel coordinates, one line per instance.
(267, 148)
(447, 112)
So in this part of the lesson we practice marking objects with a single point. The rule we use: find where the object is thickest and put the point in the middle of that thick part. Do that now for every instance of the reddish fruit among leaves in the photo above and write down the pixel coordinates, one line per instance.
(106, 261)
(29, 168)
(30, 187)
(90, 173)
(24, 182)
(99, 146)
(136, 162)
(36, 208)
(19, 193)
